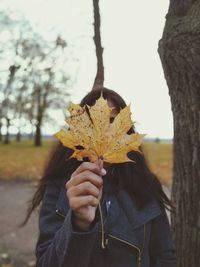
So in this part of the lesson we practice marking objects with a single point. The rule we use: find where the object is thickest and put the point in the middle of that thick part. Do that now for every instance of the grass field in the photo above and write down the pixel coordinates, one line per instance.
(160, 159)
(24, 161)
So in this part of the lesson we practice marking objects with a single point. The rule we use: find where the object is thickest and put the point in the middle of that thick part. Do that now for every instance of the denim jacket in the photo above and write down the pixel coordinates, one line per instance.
(126, 237)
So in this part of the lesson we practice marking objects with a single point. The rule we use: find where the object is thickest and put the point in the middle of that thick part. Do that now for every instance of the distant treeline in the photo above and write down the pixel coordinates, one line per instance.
(51, 137)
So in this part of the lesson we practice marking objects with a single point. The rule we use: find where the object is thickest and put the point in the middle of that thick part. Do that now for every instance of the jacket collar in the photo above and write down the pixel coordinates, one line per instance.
(124, 218)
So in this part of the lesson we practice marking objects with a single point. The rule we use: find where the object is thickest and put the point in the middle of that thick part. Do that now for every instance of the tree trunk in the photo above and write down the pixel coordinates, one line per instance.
(179, 51)
(18, 136)
(99, 79)
(1, 137)
(38, 139)
(7, 136)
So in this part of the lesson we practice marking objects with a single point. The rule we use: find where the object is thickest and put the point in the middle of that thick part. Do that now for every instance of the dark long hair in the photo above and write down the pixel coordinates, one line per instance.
(135, 177)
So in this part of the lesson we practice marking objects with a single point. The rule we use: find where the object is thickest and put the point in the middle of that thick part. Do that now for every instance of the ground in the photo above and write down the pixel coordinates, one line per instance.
(16, 244)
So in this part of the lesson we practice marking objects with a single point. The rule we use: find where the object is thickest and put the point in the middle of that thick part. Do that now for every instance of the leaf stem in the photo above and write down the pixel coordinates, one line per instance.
(102, 228)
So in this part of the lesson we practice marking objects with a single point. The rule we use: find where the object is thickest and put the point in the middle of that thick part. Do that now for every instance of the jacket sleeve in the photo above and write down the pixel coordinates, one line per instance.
(162, 250)
(58, 244)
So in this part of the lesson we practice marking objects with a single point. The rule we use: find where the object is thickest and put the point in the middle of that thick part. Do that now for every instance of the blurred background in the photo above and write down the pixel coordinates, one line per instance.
(47, 59)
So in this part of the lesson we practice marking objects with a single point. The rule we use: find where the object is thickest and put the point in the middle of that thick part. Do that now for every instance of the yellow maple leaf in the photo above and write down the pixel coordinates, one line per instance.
(91, 134)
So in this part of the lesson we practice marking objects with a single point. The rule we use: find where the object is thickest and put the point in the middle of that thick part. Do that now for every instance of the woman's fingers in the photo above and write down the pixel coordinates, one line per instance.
(99, 162)
(85, 188)
(82, 201)
(95, 168)
(85, 176)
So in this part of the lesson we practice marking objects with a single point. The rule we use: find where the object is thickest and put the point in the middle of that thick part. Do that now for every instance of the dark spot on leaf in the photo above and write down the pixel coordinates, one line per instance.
(86, 159)
(79, 147)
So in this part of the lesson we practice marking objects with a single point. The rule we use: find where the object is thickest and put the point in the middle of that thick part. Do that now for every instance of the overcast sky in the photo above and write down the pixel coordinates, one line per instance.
(130, 33)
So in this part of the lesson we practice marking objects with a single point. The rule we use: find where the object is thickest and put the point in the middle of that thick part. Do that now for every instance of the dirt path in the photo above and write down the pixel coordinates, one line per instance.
(16, 244)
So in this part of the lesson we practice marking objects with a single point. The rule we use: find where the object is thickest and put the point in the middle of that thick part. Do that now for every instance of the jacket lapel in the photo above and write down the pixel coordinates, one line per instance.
(125, 221)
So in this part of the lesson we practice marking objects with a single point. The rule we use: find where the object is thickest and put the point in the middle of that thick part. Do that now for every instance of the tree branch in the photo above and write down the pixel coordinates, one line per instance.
(99, 79)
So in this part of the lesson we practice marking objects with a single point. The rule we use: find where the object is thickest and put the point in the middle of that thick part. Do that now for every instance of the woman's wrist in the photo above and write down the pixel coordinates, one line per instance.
(83, 226)
(80, 225)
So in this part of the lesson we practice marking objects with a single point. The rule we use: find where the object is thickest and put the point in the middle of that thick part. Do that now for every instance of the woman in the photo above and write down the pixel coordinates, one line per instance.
(130, 229)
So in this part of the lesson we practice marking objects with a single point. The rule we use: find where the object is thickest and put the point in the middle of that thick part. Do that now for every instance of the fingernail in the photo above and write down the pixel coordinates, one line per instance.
(103, 171)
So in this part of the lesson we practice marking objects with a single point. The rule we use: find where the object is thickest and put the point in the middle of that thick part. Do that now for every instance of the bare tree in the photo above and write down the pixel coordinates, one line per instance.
(47, 94)
(37, 80)
(99, 79)
(21, 97)
(7, 103)
(179, 51)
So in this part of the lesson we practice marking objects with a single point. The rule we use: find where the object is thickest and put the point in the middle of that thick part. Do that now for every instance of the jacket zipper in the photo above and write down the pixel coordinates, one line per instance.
(133, 246)
(59, 213)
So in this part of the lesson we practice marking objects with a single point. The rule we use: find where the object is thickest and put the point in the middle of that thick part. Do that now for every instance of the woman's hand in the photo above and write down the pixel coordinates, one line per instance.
(84, 190)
